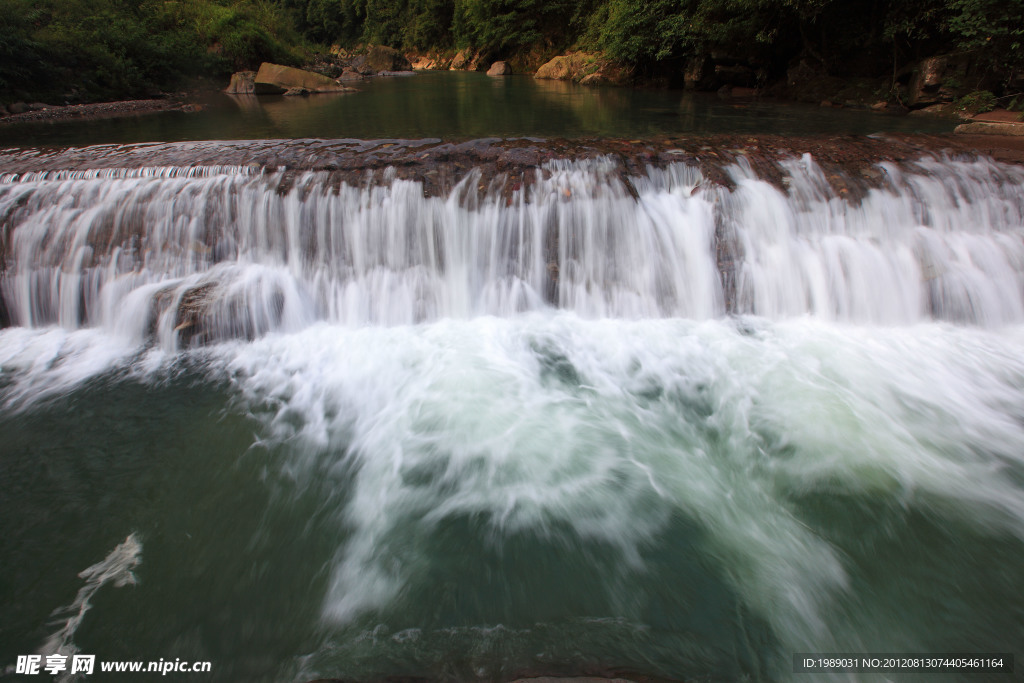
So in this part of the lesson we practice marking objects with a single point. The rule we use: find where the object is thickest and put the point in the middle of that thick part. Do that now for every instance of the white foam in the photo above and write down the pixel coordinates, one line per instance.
(607, 428)
(117, 569)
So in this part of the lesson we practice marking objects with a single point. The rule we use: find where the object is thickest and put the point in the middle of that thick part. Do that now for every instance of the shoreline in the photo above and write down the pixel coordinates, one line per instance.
(99, 110)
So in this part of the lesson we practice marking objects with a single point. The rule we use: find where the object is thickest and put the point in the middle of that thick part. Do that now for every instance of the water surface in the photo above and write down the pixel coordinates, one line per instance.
(461, 105)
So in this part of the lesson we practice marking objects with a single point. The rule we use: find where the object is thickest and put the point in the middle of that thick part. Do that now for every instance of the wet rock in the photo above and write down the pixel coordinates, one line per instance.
(276, 78)
(242, 83)
(383, 58)
(296, 92)
(499, 69)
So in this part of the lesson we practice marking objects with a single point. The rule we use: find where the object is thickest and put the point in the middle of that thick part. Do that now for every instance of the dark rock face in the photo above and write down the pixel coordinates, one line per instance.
(382, 58)
(926, 83)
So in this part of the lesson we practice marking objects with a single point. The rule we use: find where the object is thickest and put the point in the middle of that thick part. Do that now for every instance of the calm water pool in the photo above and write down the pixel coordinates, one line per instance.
(459, 105)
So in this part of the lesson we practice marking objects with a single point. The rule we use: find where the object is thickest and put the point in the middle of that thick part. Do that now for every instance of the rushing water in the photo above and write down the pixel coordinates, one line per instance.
(305, 429)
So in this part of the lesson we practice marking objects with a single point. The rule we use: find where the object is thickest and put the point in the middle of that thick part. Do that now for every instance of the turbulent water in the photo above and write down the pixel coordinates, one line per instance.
(572, 423)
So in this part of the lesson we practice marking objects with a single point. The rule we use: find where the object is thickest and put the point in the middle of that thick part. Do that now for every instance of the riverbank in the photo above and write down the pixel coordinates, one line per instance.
(40, 112)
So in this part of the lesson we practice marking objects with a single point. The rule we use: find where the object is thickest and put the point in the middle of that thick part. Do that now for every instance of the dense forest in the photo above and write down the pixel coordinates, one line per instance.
(81, 50)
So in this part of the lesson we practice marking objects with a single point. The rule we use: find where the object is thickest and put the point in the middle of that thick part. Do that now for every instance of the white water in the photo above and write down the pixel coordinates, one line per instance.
(594, 426)
(117, 569)
(602, 431)
(608, 426)
(122, 250)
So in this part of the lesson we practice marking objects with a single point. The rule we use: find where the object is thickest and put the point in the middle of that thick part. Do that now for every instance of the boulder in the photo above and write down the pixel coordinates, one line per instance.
(984, 128)
(3, 111)
(383, 58)
(242, 83)
(582, 67)
(360, 64)
(296, 92)
(350, 74)
(499, 69)
(18, 108)
(559, 68)
(275, 78)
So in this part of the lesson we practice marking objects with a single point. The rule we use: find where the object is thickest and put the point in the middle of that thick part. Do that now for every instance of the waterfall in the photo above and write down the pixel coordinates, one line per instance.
(187, 255)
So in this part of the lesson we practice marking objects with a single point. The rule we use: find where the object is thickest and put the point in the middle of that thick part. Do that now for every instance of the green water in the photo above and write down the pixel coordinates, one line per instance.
(485, 499)
(460, 105)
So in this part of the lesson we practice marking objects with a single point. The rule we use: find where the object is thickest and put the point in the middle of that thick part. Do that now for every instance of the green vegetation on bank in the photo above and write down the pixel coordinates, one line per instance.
(82, 50)
(93, 49)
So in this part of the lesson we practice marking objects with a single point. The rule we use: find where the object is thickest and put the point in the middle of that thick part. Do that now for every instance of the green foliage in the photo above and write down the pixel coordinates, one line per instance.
(77, 50)
(116, 48)
(976, 102)
(504, 25)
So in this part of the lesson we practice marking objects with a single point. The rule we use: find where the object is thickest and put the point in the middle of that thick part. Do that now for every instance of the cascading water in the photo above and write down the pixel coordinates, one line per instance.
(235, 253)
(572, 422)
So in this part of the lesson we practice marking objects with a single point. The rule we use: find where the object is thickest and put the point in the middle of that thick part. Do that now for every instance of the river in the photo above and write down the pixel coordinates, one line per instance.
(594, 415)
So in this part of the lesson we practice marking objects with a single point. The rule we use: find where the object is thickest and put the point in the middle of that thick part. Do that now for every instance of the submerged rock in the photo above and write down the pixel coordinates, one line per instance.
(382, 58)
